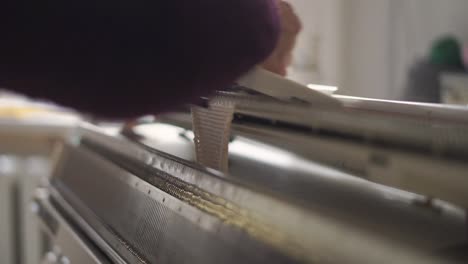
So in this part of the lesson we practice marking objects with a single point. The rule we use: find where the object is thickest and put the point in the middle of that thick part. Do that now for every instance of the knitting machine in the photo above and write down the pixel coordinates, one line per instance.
(266, 172)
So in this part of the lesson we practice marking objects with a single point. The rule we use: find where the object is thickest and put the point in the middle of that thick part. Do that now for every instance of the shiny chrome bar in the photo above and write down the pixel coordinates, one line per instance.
(69, 245)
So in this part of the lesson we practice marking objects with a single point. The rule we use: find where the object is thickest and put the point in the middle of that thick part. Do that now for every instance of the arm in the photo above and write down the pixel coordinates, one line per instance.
(131, 57)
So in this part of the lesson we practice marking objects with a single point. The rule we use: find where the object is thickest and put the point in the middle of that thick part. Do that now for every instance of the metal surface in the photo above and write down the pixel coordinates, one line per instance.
(7, 215)
(69, 245)
(327, 190)
(424, 111)
(297, 188)
(156, 226)
(430, 176)
(419, 148)
(22, 240)
(28, 142)
(25, 146)
(371, 127)
(152, 207)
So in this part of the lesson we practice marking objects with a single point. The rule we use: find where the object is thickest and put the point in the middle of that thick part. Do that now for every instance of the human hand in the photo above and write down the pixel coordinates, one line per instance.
(291, 26)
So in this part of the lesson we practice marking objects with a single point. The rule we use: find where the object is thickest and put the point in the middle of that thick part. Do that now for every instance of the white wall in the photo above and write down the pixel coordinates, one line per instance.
(367, 46)
(317, 58)
(415, 25)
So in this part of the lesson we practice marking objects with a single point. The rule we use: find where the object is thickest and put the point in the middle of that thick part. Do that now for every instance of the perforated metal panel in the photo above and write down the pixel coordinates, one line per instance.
(151, 223)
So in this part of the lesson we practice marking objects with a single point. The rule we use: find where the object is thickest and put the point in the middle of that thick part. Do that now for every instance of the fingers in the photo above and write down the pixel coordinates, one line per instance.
(289, 19)
(285, 6)
(281, 58)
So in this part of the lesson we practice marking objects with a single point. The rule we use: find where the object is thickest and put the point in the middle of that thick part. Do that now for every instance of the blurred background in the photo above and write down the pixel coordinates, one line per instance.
(369, 47)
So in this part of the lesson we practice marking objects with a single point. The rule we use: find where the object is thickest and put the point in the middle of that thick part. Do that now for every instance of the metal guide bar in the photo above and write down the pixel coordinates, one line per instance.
(73, 209)
(69, 242)
(442, 138)
(430, 150)
(425, 175)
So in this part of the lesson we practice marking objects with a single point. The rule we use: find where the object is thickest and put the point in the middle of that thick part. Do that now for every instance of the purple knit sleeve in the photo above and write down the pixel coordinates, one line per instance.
(127, 58)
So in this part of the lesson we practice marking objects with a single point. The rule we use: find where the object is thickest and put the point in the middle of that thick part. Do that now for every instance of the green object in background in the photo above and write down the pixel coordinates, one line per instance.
(446, 51)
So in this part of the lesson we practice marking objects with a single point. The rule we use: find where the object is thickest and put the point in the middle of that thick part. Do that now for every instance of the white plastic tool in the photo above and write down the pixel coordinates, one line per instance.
(273, 85)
